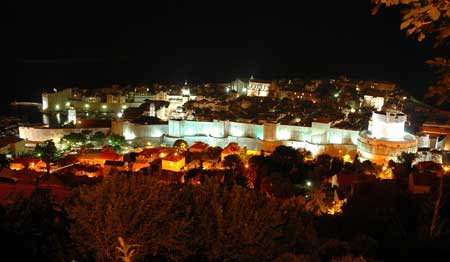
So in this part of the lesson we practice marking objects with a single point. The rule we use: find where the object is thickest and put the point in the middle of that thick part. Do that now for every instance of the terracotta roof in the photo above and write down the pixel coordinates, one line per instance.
(199, 146)
(148, 152)
(231, 148)
(175, 157)
(434, 130)
(109, 156)
(25, 160)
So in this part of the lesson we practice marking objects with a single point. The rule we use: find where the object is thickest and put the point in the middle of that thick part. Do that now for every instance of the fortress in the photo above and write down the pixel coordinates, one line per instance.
(318, 138)
(386, 138)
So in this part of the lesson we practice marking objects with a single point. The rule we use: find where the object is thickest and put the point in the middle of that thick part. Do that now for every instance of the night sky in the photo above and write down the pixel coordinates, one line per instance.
(55, 44)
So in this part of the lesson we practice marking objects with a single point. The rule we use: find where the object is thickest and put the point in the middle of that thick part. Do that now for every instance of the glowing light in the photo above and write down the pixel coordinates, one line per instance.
(347, 158)
(129, 135)
(87, 105)
(124, 106)
(283, 135)
(244, 89)
(446, 168)
(185, 92)
(308, 183)
(352, 110)
(246, 166)
(104, 106)
(67, 103)
(336, 95)
(57, 106)
(161, 155)
(119, 115)
(149, 143)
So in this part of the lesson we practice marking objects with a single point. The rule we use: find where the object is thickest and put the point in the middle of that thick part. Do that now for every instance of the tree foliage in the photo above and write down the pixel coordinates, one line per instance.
(180, 144)
(35, 229)
(179, 222)
(140, 209)
(422, 18)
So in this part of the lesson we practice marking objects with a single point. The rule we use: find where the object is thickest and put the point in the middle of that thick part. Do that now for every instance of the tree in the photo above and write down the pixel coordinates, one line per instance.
(116, 140)
(236, 224)
(47, 152)
(99, 138)
(286, 158)
(232, 161)
(4, 161)
(74, 138)
(139, 209)
(426, 18)
(316, 203)
(35, 228)
(422, 18)
(214, 152)
(180, 144)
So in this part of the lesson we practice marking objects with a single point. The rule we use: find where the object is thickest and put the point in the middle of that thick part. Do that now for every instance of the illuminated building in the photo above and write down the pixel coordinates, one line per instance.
(258, 87)
(386, 138)
(174, 162)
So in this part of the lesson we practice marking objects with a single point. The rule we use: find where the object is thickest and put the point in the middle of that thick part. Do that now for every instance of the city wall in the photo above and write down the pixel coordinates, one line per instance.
(41, 133)
(318, 139)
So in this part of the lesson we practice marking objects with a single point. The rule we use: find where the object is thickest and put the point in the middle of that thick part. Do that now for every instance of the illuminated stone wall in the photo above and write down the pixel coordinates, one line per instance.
(255, 137)
(56, 101)
(40, 134)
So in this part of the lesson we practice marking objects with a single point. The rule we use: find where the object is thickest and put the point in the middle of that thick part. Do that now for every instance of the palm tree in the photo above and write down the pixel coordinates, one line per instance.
(316, 203)
(127, 252)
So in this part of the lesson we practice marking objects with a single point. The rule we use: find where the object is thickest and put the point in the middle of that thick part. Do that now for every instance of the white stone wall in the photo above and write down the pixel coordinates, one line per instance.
(40, 134)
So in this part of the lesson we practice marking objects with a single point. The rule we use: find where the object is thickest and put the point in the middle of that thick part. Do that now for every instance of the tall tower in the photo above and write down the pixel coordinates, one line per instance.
(72, 115)
(151, 110)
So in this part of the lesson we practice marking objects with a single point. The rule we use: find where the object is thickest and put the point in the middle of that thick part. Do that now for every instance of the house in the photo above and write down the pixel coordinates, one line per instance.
(231, 148)
(117, 165)
(99, 158)
(198, 147)
(11, 145)
(258, 87)
(28, 162)
(174, 162)
(90, 171)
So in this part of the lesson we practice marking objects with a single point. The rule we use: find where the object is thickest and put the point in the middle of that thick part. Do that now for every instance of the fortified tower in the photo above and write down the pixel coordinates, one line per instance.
(386, 138)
